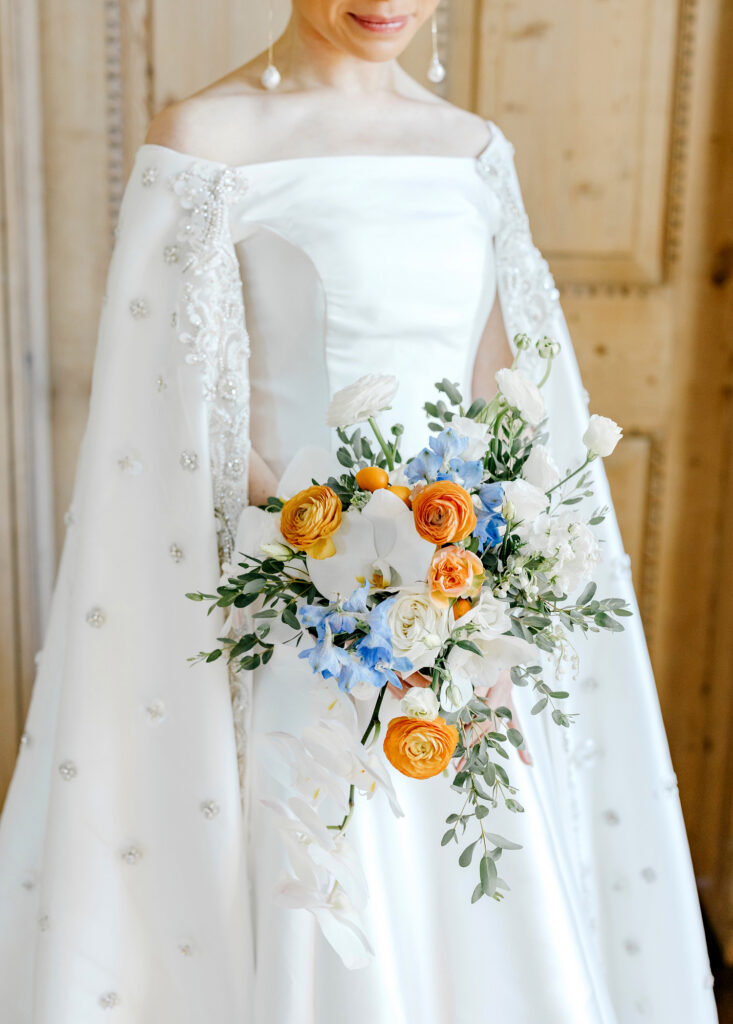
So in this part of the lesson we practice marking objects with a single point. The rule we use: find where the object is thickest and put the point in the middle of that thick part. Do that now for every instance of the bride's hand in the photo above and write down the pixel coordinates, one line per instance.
(414, 679)
(497, 696)
(262, 480)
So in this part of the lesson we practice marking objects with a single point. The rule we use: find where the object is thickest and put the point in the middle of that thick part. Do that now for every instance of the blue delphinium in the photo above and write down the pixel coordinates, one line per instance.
(375, 649)
(338, 618)
(326, 657)
(370, 660)
(489, 520)
(442, 461)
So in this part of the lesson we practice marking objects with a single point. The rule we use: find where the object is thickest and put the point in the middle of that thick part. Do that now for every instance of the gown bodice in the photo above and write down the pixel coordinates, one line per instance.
(350, 266)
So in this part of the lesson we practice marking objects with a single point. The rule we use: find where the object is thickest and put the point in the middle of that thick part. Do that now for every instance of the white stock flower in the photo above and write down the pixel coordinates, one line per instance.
(572, 543)
(523, 503)
(364, 398)
(477, 434)
(522, 395)
(420, 702)
(540, 469)
(602, 435)
(418, 626)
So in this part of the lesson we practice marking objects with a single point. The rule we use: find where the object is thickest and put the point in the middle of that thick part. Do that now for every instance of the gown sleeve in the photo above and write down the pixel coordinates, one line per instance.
(124, 815)
(614, 785)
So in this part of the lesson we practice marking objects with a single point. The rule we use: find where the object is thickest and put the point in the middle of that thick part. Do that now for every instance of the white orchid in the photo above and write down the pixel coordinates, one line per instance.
(380, 537)
(469, 670)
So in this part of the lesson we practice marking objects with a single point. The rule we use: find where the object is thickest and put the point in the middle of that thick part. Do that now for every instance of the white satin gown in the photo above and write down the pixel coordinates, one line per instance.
(137, 863)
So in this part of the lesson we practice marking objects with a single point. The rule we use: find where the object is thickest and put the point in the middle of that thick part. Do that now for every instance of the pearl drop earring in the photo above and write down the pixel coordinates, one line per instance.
(436, 70)
(270, 76)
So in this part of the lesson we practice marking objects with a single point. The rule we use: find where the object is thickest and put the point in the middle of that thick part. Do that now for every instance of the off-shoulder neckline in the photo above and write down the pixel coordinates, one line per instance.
(329, 157)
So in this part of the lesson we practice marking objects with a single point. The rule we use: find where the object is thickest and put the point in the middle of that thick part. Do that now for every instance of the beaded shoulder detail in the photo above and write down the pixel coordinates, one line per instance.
(529, 298)
(211, 325)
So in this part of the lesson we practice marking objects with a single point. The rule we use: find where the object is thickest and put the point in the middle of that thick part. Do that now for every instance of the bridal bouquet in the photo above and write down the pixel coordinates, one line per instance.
(466, 568)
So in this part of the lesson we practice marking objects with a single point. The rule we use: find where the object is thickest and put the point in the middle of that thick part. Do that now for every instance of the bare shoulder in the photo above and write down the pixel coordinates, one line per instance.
(214, 123)
(462, 132)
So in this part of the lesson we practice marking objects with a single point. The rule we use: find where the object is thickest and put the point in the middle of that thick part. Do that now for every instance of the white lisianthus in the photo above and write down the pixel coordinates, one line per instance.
(361, 400)
(419, 627)
(601, 436)
(420, 702)
(522, 395)
(540, 469)
(477, 434)
(488, 614)
(523, 503)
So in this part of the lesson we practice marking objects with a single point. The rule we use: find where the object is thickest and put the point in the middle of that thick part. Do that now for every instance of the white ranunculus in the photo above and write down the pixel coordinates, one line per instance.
(419, 627)
(602, 435)
(523, 503)
(420, 702)
(488, 614)
(477, 434)
(364, 398)
(540, 469)
(522, 395)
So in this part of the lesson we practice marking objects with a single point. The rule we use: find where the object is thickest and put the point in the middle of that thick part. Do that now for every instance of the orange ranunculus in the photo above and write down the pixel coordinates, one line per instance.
(420, 747)
(309, 518)
(454, 572)
(443, 512)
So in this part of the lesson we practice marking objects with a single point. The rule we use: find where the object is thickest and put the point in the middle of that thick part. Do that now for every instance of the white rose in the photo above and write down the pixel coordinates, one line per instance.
(361, 400)
(477, 434)
(540, 469)
(602, 435)
(523, 503)
(522, 395)
(420, 702)
(489, 614)
(419, 627)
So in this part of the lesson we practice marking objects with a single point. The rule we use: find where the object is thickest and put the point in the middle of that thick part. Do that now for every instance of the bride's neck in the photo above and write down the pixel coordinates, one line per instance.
(307, 60)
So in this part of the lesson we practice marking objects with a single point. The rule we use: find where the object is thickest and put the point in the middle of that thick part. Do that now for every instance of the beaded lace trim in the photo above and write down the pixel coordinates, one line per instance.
(529, 297)
(212, 327)
(211, 324)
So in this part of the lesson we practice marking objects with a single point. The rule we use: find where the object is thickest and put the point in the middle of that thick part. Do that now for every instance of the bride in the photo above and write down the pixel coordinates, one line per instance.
(314, 216)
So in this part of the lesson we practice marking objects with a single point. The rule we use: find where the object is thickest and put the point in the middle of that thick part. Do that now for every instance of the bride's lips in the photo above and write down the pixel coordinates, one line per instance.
(382, 25)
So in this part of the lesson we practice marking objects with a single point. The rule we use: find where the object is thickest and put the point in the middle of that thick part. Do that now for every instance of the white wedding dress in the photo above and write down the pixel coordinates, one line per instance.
(137, 863)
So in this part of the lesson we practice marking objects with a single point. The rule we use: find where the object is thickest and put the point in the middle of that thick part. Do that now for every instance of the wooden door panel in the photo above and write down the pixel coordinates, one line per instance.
(584, 91)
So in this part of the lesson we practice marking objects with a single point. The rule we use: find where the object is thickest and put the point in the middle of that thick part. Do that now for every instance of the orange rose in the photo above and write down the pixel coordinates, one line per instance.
(309, 518)
(443, 512)
(419, 747)
(454, 572)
